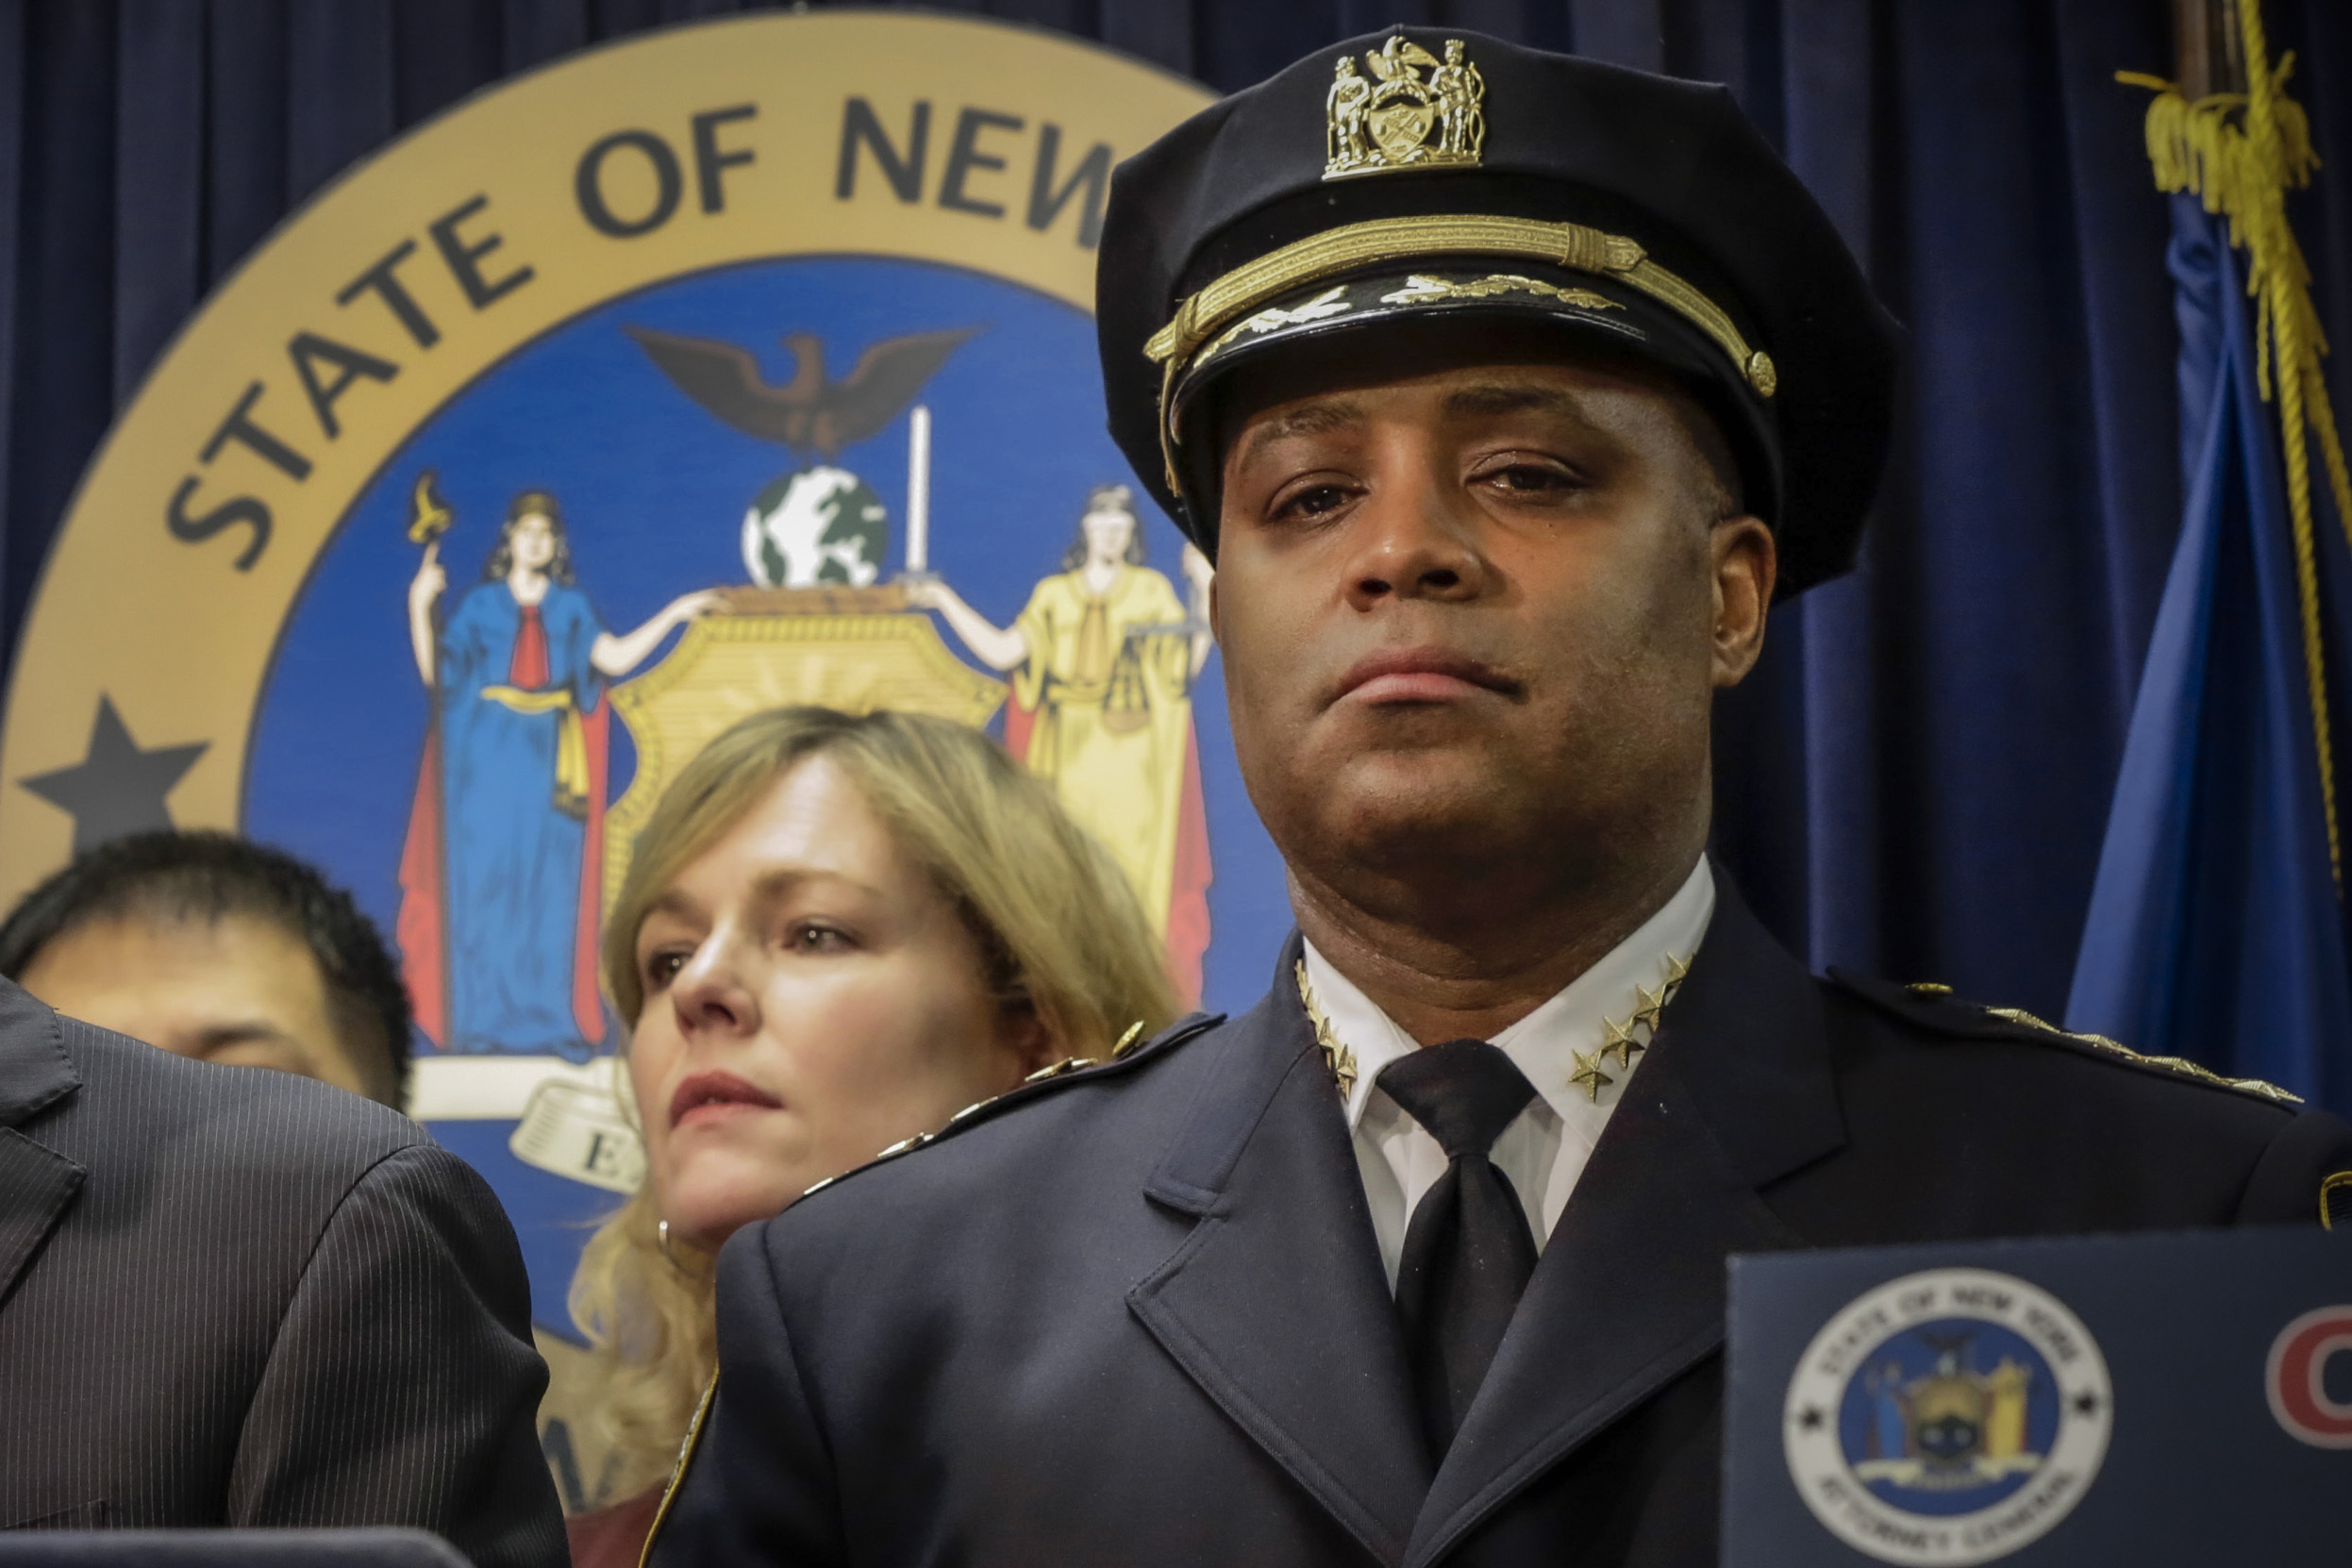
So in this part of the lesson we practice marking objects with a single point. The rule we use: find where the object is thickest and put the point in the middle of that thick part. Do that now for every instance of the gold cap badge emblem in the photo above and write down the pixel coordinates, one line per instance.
(1415, 111)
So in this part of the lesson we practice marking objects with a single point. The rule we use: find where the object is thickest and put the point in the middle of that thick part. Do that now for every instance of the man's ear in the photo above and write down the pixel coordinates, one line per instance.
(1746, 562)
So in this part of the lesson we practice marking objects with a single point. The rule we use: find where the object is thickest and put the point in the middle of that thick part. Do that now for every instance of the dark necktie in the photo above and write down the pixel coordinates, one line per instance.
(1468, 1251)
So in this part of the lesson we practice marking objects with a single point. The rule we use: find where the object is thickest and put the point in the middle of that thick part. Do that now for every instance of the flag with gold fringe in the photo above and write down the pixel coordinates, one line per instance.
(2216, 930)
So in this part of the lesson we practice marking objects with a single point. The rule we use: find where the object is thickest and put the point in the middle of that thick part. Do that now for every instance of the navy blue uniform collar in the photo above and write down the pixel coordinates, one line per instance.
(1276, 1305)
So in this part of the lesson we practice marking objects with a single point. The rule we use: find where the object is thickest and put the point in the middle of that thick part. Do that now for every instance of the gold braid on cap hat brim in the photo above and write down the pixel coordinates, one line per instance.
(1357, 246)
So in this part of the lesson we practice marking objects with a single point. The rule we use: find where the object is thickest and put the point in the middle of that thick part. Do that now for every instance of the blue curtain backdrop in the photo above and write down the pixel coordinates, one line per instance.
(1918, 779)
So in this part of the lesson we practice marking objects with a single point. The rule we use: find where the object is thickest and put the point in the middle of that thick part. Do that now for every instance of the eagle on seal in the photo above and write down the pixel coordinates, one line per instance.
(808, 414)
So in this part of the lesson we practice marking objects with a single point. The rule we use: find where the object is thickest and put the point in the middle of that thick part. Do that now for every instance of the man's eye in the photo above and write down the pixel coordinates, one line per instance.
(1317, 501)
(662, 967)
(1529, 479)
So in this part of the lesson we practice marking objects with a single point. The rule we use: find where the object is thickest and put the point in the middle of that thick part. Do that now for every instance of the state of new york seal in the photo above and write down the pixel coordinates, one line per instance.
(1948, 1417)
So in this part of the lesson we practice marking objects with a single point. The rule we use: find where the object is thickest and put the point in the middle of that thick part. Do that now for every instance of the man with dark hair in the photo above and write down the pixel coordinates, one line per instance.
(219, 948)
(231, 1298)
(1509, 391)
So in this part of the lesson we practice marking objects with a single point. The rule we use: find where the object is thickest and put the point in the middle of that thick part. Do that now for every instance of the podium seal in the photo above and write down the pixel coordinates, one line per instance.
(1947, 1417)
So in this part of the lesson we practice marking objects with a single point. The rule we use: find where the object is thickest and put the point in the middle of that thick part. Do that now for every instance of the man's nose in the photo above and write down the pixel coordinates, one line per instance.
(1416, 541)
(711, 995)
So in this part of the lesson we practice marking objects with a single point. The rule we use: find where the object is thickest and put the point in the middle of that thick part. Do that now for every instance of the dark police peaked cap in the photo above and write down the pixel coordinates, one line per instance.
(1428, 176)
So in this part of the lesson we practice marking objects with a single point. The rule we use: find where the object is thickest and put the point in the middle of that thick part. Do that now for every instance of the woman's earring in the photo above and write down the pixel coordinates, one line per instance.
(661, 1229)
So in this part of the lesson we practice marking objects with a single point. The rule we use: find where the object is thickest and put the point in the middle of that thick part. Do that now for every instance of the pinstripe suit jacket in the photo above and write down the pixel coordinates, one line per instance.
(235, 1297)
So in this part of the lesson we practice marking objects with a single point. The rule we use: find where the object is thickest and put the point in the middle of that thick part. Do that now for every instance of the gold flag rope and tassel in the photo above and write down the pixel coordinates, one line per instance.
(2242, 152)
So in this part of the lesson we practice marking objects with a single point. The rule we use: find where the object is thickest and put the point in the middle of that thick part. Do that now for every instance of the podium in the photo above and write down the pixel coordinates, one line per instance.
(2150, 1400)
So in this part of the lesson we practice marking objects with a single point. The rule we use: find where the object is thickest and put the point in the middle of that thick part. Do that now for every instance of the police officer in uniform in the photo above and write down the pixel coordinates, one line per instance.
(1509, 391)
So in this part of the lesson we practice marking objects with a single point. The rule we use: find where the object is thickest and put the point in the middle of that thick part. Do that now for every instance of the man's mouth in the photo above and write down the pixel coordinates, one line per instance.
(709, 1096)
(1420, 676)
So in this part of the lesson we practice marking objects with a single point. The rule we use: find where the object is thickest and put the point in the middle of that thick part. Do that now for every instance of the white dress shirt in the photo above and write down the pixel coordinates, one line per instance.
(1543, 1150)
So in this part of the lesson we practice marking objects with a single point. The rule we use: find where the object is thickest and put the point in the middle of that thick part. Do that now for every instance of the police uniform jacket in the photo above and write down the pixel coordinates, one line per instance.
(230, 1296)
(1136, 1313)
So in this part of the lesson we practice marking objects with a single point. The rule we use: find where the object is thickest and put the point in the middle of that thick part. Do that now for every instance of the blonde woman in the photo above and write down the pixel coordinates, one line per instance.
(836, 932)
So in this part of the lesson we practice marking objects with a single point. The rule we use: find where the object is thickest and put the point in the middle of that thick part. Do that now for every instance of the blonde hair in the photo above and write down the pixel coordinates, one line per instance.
(1060, 931)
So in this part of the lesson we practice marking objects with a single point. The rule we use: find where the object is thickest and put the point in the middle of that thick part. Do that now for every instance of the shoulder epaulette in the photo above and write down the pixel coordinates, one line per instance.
(1924, 1002)
(1132, 1051)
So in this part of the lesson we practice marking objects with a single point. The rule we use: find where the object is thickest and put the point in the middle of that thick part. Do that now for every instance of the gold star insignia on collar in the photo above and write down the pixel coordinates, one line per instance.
(1678, 971)
(1653, 1005)
(1342, 1064)
(1337, 1056)
(1621, 1042)
(1588, 1074)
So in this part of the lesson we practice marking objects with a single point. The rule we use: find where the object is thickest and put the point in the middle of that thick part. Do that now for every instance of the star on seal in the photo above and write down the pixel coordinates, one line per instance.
(117, 788)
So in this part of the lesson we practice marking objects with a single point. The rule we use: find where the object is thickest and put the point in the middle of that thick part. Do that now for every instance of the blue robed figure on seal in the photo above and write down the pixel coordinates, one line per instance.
(499, 877)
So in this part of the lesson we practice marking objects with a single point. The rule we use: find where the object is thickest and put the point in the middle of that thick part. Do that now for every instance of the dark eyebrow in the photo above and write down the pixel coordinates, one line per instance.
(218, 1035)
(1314, 419)
(1505, 397)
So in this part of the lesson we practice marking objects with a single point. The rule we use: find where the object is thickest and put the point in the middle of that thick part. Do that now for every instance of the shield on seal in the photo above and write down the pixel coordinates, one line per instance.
(1400, 120)
(1947, 1420)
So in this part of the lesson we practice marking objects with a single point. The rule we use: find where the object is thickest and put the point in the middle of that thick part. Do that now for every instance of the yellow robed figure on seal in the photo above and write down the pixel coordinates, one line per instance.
(1102, 659)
